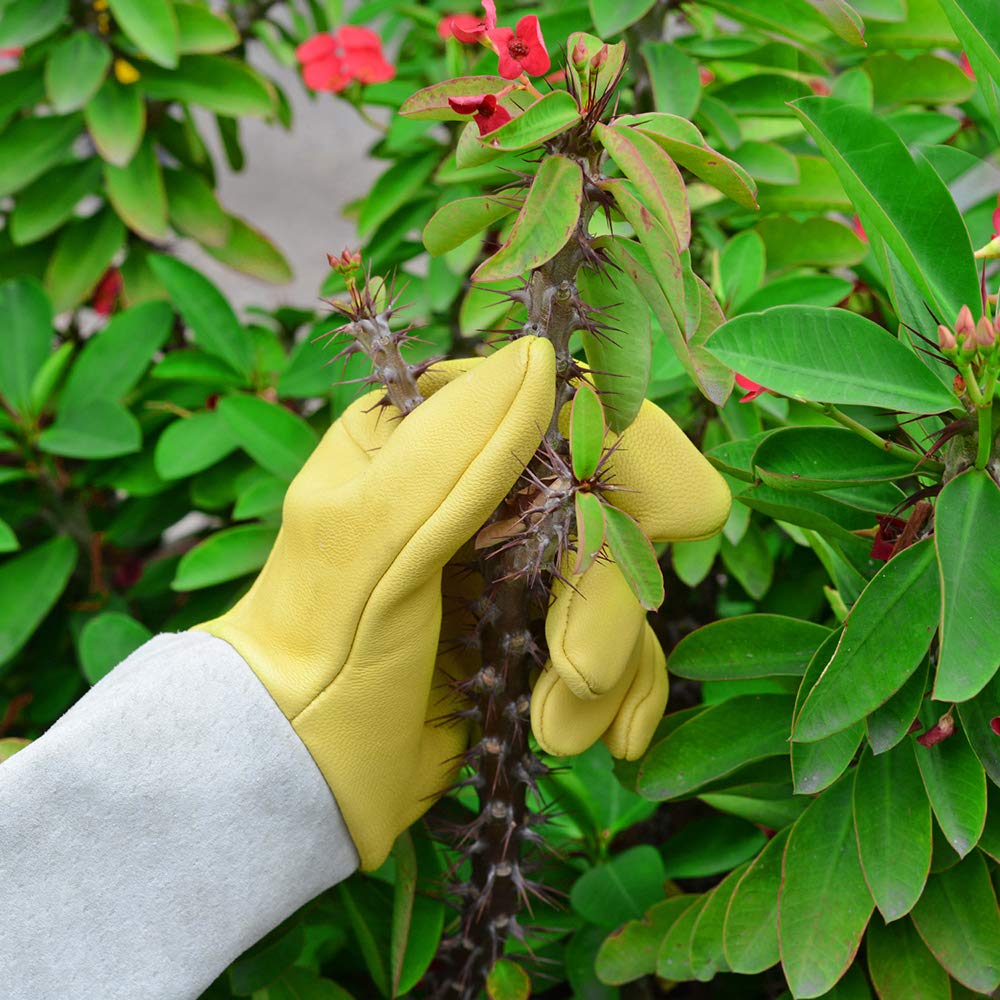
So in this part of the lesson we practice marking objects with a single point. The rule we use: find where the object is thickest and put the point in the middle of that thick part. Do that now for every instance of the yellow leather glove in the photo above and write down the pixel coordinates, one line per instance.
(607, 678)
(342, 625)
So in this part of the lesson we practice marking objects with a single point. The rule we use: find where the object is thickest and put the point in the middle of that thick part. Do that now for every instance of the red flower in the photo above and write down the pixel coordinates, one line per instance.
(996, 218)
(468, 28)
(859, 230)
(705, 76)
(995, 724)
(331, 62)
(106, 294)
(966, 66)
(521, 49)
(888, 531)
(752, 389)
(489, 113)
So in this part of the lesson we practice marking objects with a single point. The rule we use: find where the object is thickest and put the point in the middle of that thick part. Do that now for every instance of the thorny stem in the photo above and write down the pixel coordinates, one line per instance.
(518, 581)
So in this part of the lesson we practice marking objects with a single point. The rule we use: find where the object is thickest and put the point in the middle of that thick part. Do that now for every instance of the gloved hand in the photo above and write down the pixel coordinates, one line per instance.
(342, 624)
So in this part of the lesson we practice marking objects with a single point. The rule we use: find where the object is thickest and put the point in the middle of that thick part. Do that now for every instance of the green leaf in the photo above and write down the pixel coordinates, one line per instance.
(768, 162)
(459, 220)
(843, 19)
(693, 561)
(623, 889)
(74, 71)
(46, 204)
(824, 904)
(30, 584)
(970, 580)
(30, 146)
(262, 497)
(219, 83)
(151, 25)
(196, 366)
(193, 443)
(890, 722)
(825, 458)
(27, 318)
(621, 356)
(918, 79)
(201, 30)
(106, 640)
(747, 646)
(955, 783)
(974, 23)
(711, 845)
(99, 428)
(958, 920)
(590, 530)
(892, 818)
(194, 208)
(750, 932)
(431, 103)
(899, 197)
(116, 119)
(272, 436)
(686, 145)
(767, 94)
(976, 715)
(586, 432)
(544, 225)
(367, 908)
(8, 540)
(417, 917)
(829, 355)
(815, 242)
(401, 183)
(26, 21)
(226, 555)
(629, 953)
(269, 958)
(715, 743)
(115, 358)
(296, 983)
(611, 17)
(741, 268)
(136, 191)
(83, 253)
(885, 637)
(818, 765)
(750, 563)
(673, 961)
(707, 953)
(11, 745)
(206, 311)
(673, 75)
(19, 89)
(806, 289)
(250, 251)
(655, 176)
(635, 556)
(508, 981)
(901, 967)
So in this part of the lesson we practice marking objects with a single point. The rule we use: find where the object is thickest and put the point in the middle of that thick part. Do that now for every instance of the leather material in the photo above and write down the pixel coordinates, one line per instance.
(343, 623)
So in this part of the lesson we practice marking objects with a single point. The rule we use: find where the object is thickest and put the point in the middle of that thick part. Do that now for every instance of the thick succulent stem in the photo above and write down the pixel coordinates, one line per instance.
(518, 581)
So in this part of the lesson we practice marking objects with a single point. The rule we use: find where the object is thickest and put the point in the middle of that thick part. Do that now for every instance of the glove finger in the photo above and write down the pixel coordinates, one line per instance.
(591, 630)
(440, 473)
(670, 488)
(564, 724)
(644, 703)
(677, 496)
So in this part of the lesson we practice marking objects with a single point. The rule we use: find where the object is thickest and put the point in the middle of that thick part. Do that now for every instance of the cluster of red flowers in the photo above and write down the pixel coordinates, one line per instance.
(333, 61)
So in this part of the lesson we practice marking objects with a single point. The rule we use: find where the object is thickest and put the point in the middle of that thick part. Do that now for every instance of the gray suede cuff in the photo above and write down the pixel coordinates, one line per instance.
(163, 825)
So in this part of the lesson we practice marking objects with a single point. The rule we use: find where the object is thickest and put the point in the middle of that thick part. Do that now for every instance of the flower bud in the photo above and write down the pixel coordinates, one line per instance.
(601, 58)
(946, 340)
(348, 262)
(939, 732)
(964, 323)
(985, 334)
(579, 54)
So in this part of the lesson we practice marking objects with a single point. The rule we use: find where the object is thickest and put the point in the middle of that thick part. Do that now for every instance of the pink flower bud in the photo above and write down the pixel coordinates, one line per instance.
(985, 334)
(964, 323)
(601, 58)
(579, 54)
(946, 339)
